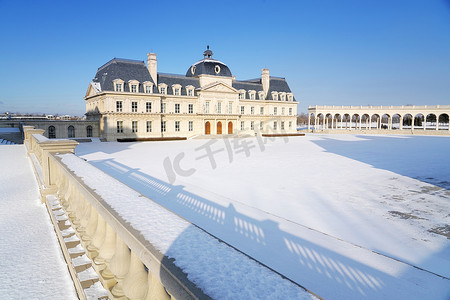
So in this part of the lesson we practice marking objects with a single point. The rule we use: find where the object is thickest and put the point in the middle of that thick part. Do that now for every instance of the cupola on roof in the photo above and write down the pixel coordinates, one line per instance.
(208, 66)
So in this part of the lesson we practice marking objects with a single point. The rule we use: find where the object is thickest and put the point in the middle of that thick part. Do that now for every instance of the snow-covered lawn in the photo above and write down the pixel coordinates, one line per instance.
(31, 263)
(346, 216)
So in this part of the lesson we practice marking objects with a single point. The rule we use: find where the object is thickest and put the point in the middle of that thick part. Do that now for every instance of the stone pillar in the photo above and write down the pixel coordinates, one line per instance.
(309, 120)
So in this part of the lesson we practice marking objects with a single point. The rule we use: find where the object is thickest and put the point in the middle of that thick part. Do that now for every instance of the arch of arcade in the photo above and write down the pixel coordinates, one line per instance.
(380, 117)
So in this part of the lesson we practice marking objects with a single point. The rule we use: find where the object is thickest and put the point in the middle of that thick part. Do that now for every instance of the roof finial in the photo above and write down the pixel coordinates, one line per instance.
(208, 53)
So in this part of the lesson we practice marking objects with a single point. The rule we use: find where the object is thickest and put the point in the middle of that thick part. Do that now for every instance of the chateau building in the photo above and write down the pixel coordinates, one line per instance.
(133, 100)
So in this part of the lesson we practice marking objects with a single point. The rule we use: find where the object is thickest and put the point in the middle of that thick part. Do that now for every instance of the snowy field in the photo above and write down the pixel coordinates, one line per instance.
(32, 265)
(348, 217)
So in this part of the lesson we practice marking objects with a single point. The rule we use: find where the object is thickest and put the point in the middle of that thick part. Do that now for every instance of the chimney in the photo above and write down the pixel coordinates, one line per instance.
(265, 79)
(152, 66)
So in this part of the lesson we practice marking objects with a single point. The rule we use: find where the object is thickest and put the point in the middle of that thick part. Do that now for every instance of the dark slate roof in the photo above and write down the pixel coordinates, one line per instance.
(277, 84)
(171, 79)
(207, 66)
(125, 69)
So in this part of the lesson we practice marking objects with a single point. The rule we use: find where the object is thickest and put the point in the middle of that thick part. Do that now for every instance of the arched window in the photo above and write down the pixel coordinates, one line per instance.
(71, 131)
(89, 131)
(51, 132)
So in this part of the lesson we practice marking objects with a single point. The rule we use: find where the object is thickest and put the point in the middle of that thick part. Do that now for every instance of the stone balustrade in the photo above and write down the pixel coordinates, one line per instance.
(95, 238)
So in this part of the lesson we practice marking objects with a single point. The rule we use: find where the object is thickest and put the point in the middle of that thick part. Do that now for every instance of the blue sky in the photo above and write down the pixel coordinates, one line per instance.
(346, 52)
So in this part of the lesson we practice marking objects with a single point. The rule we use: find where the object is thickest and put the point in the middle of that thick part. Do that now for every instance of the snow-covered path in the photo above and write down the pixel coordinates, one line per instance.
(31, 263)
(318, 208)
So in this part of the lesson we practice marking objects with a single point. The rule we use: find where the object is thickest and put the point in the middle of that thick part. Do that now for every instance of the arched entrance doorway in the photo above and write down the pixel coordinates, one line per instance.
(219, 127)
(207, 128)
(230, 127)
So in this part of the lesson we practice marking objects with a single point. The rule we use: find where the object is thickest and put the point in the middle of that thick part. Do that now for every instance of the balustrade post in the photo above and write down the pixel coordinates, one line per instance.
(155, 289)
(119, 265)
(98, 238)
(135, 284)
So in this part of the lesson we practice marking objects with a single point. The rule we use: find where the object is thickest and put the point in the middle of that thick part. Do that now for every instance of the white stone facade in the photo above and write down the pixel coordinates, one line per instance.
(128, 109)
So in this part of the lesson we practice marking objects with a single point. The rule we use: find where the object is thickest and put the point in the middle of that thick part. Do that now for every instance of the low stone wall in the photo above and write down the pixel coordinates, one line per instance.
(99, 246)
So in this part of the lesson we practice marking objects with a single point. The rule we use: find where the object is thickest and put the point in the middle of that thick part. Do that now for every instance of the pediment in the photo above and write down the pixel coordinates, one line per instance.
(218, 87)
(93, 89)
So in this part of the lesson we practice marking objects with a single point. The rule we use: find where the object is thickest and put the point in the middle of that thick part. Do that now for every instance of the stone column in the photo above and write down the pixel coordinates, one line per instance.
(401, 123)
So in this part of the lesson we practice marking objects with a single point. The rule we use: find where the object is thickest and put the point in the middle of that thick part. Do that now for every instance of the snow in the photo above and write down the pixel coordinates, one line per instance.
(346, 216)
(31, 263)
(219, 270)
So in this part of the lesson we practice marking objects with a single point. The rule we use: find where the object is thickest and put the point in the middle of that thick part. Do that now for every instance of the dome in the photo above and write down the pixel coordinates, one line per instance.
(208, 66)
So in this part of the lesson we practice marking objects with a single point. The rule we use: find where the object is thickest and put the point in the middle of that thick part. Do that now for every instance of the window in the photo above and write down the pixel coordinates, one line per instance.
(163, 108)
(252, 110)
(290, 97)
(290, 111)
(177, 108)
(252, 96)
(261, 125)
(71, 131)
(149, 126)
(275, 96)
(163, 126)
(51, 132)
(261, 96)
(242, 95)
(118, 106)
(275, 111)
(190, 108)
(191, 126)
(162, 90)
(148, 89)
(177, 92)
(275, 125)
(290, 124)
(282, 97)
(252, 125)
(219, 108)
(133, 106)
(119, 126)
(261, 111)
(242, 110)
(282, 125)
(177, 125)
(118, 85)
(207, 107)
(133, 88)
(190, 92)
(283, 110)
(148, 107)
(230, 108)
(89, 131)
(134, 126)
(242, 125)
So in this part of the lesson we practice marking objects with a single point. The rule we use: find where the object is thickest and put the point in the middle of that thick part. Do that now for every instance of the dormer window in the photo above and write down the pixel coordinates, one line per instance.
(133, 86)
(275, 96)
(241, 94)
(252, 94)
(148, 87)
(162, 88)
(282, 97)
(261, 95)
(190, 90)
(176, 89)
(118, 85)
(290, 97)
